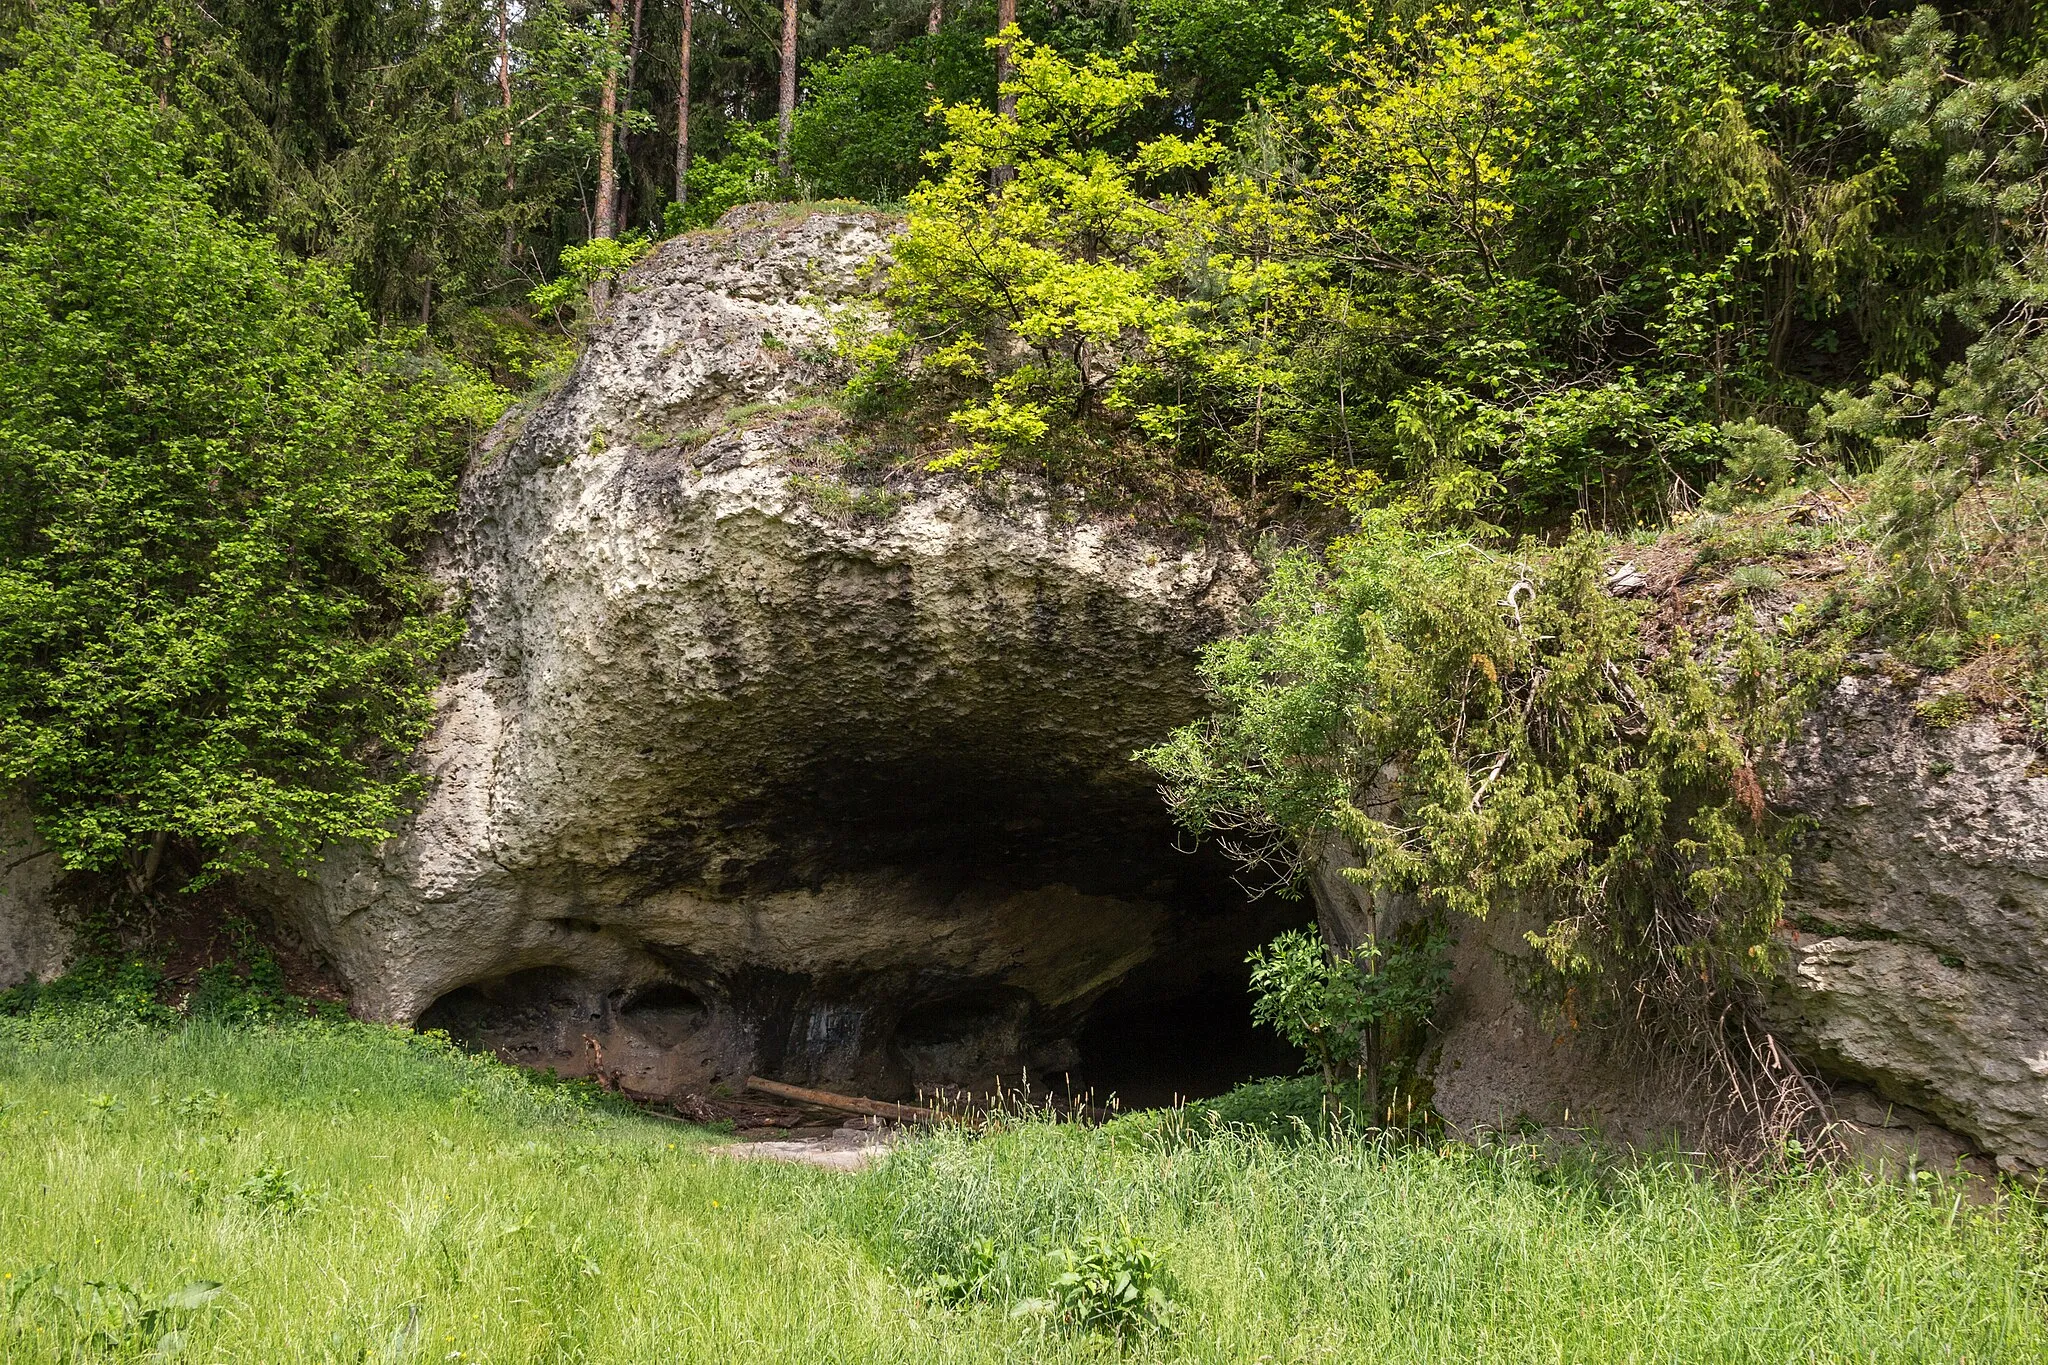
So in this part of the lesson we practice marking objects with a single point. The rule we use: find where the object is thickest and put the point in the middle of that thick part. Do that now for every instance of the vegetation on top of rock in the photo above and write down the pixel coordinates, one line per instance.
(1557, 248)
(1492, 732)
(1599, 256)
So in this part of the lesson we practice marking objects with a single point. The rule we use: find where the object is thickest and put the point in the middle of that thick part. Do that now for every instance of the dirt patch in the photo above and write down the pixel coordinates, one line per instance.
(852, 1147)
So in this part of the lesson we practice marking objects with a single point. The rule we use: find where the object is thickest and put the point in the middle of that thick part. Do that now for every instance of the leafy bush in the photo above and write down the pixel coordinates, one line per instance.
(743, 173)
(251, 994)
(274, 1189)
(864, 126)
(1282, 1108)
(112, 991)
(211, 630)
(1064, 262)
(588, 272)
(1491, 733)
(1340, 1005)
(1108, 1284)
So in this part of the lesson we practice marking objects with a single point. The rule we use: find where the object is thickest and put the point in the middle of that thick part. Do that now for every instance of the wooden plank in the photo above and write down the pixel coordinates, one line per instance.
(849, 1104)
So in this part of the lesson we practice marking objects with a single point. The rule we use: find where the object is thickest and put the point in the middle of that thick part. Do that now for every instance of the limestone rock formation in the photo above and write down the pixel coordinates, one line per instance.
(1915, 963)
(34, 942)
(749, 762)
(1918, 939)
(743, 766)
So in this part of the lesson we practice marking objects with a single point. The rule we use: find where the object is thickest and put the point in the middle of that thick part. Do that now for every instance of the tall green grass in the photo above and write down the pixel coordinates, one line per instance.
(364, 1195)
(1351, 1248)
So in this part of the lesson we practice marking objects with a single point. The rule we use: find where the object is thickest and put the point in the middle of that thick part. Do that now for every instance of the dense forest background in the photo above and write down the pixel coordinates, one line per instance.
(442, 155)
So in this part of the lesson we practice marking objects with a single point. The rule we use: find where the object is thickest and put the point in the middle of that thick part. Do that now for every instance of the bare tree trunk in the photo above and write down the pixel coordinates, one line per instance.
(141, 879)
(787, 110)
(683, 111)
(623, 213)
(1006, 69)
(505, 102)
(1006, 65)
(933, 20)
(505, 79)
(607, 131)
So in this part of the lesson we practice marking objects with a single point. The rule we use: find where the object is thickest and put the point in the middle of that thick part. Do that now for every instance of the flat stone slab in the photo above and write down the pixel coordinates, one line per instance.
(839, 1149)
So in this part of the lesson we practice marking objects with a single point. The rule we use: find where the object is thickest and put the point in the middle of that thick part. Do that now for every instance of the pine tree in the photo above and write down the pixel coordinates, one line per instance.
(786, 112)
(607, 130)
(683, 108)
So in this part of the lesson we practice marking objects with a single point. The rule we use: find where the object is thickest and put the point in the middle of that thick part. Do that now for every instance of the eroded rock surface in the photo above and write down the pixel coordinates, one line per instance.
(1918, 937)
(34, 941)
(1915, 968)
(739, 771)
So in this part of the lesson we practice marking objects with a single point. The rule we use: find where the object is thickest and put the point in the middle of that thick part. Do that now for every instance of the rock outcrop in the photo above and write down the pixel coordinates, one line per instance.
(1918, 926)
(1914, 964)
(745, 766)
(34, 942)
(755, 760)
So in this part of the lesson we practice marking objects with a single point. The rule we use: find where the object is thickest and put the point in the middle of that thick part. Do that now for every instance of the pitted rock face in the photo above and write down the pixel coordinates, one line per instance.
(728, 781)
(35, 943)
(1918, 924)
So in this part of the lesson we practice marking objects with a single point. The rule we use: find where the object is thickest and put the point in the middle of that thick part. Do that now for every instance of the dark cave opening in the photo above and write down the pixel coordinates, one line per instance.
(1150, 1050)
(660, 1005)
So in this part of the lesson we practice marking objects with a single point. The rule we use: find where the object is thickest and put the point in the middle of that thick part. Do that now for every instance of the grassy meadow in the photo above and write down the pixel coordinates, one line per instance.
(336, 1193)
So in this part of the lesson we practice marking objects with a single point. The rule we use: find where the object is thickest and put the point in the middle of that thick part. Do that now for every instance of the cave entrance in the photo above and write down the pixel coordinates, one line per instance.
(1152, 1045)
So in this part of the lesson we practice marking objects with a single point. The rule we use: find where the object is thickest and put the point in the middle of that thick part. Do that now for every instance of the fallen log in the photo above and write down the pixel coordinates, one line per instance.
(850, 1104)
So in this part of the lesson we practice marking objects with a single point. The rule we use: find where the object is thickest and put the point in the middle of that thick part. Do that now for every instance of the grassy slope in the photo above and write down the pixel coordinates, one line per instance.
(523, 1226)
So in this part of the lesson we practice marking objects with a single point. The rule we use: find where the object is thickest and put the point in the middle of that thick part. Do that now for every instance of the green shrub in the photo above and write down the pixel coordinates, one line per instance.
(251, 994)
(864, 126)
(1107, 1284)
(1490, 732)
(211, 627)
(274, 1189)
(108, 991)
(1946, 711)
(743, 173)
(1281, 1108)
(588, 268)
(1344, 1007)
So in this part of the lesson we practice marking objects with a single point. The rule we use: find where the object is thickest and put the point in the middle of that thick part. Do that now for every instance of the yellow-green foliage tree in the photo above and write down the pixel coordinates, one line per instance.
(1044, 287)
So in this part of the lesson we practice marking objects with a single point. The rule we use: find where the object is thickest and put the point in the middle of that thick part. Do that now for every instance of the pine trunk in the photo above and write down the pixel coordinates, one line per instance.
(607, 131)
(787, 109)
(683, 110)
(505, 102)
(623, 212)
(1006, 69)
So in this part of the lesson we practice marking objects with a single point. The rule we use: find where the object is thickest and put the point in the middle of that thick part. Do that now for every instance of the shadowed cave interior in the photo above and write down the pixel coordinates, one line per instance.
(696, 1017)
